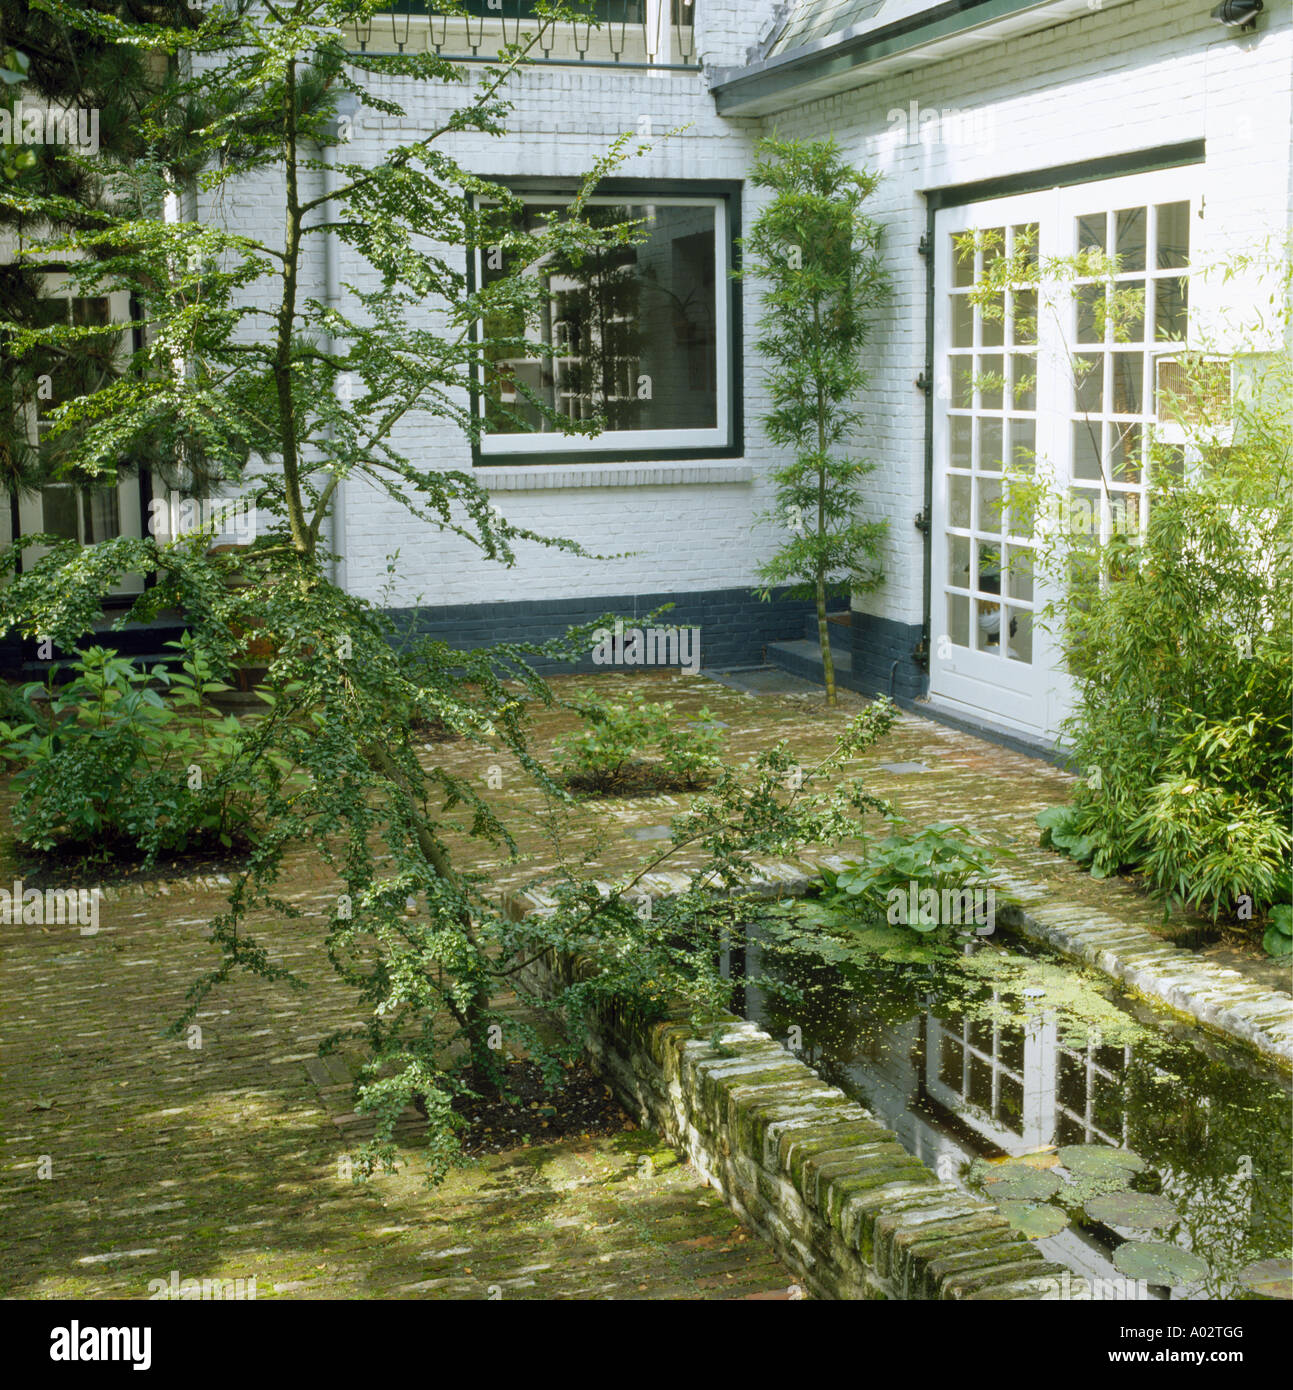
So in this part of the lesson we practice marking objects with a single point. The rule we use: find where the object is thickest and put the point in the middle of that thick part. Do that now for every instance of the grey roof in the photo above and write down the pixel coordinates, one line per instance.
(812, 21)
(818, 19)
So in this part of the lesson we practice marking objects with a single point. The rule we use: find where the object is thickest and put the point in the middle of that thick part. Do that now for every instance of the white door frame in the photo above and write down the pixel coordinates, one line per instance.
(976, 667)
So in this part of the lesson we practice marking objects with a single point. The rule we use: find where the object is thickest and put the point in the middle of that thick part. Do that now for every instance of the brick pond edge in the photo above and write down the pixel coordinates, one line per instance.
(844, 1206)
(813, 1173)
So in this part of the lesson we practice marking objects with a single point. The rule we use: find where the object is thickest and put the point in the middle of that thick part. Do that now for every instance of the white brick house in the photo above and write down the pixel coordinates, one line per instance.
(1148, 122)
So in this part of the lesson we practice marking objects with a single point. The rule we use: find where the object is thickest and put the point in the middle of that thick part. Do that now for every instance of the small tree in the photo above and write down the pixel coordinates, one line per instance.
(817, 252)
(235, 363)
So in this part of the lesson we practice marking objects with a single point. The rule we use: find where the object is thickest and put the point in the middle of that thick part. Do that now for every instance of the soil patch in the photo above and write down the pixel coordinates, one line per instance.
(634, 779)
(57, 869)
(581, 1107)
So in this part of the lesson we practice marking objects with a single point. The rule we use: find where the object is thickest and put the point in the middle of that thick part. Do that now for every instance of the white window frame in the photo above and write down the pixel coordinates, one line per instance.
(59, 284)
(637, 443)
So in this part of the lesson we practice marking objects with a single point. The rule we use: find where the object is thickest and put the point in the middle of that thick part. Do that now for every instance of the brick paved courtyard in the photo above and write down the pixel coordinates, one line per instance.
(127, 1154)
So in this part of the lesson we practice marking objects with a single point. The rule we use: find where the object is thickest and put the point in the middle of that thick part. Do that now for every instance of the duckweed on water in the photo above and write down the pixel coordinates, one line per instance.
(1067, 994)
(1039, 1086)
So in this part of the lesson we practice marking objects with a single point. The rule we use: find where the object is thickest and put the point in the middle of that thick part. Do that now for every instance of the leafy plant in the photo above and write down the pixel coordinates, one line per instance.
(816, 252)
(122, 759)
(943, 857)
(1177, 627)
(608, 755)
(1058, 825)
(1278, 940)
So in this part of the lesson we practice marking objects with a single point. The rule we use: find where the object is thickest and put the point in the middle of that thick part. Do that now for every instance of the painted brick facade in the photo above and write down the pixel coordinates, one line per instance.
(1110, 81)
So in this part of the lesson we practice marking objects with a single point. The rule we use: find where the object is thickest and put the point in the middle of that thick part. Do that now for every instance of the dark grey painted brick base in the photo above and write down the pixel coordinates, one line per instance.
(877, 644)
(735, 625)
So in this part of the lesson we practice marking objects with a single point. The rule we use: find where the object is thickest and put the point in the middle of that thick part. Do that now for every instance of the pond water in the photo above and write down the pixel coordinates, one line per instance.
(979, 1052)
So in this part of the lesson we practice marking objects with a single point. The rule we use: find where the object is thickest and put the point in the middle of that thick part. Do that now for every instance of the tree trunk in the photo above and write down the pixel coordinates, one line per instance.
(824, 636)
(823, 631)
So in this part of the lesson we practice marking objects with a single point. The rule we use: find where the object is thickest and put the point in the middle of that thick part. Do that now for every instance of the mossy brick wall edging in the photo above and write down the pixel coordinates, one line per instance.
(845, 1207)
(1217, 998)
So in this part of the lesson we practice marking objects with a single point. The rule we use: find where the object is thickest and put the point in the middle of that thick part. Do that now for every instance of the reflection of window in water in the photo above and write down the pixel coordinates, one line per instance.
(980, 1065)
(1019, 1087)
(1089, 1106)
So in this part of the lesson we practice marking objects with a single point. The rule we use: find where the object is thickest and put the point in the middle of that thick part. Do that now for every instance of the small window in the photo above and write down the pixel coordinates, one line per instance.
(639, 335)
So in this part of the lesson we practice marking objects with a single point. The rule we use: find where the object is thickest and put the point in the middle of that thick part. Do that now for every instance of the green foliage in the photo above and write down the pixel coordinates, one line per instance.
(609, 753)
(651, 956)
(15, 160)
(943, 856)
(237, 373)
(1278, 939)
(1177, 626)
(817, 253)
(1184, 660)
(119, 760)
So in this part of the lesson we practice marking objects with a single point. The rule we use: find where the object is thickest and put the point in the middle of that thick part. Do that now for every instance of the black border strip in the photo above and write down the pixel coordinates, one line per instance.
(1066, 175)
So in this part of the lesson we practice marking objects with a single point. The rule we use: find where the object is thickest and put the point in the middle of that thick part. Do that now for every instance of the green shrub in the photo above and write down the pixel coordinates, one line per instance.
(942, 857)
(1178, 628)
(118, 760)
(608, 755)
(1183, 654)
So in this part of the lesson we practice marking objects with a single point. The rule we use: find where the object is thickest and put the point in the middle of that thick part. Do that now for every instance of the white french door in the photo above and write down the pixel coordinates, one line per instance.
(1041, 381)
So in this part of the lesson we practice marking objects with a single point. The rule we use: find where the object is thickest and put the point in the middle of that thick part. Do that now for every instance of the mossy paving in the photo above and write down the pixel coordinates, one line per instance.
(221, 1161)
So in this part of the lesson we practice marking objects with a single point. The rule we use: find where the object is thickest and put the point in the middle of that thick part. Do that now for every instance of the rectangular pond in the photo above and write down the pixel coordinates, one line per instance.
(1139, 1151)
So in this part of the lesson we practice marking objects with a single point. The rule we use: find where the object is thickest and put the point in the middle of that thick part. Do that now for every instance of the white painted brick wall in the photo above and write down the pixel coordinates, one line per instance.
(1156, 72)
(1150, 73)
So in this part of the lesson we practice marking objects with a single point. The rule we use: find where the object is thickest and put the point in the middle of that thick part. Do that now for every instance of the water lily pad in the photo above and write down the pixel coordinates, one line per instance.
(1099, 1160)
(1138, 1211)
(1019, 1182)
(1081, 1187)
(1271, 1278)
(1034, 1220)
(1157, 1262)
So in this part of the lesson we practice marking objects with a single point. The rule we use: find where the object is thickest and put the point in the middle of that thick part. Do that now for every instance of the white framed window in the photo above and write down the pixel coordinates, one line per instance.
(76, 509)
(640, 335)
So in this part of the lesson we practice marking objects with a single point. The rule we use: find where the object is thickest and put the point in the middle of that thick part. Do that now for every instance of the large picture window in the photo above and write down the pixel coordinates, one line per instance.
(639, 335)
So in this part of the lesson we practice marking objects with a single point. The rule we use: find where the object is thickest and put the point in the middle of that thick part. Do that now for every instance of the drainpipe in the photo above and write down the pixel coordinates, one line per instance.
(338, 132)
